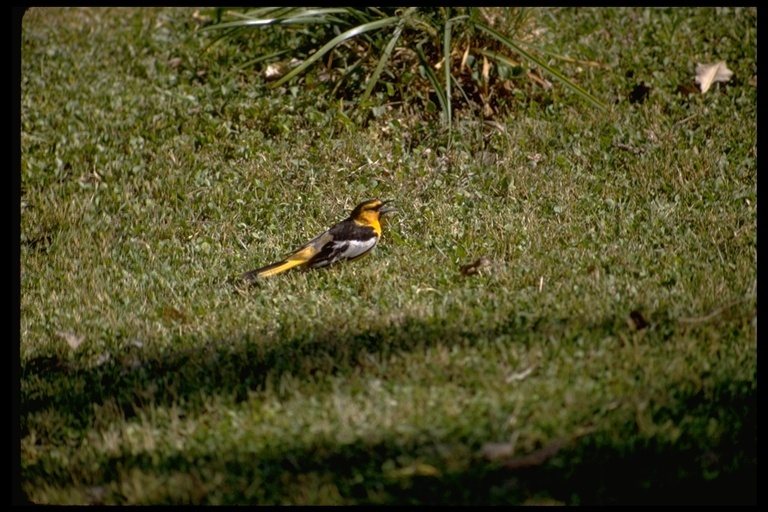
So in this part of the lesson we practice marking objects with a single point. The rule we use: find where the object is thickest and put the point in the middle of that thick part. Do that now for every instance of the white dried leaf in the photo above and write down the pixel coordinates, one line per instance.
(707, 74)
(486, 69)
(496, 451)
(537, 77)
(136, 343)
(520, 375)
(464, 58)
(275, 71)
(535, 157)
(72, 339)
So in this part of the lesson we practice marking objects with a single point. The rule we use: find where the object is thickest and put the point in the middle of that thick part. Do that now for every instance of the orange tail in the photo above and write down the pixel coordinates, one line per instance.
(270, 270)
(299, 257)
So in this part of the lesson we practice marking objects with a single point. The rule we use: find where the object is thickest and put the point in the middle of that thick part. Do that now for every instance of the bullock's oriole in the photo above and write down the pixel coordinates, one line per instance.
(350, 239)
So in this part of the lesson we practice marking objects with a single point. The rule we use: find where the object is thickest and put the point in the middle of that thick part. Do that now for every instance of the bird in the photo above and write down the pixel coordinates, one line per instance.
(348, 240)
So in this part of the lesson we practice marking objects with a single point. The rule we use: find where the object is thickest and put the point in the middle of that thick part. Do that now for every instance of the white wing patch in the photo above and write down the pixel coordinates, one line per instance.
(346, 249)
(353, 248)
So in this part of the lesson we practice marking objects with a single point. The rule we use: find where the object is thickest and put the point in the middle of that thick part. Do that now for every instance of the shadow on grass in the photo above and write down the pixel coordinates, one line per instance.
(595, 469)
(237, 366)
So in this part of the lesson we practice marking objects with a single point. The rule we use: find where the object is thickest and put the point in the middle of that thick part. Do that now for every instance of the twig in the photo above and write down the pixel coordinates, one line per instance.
(712, 314)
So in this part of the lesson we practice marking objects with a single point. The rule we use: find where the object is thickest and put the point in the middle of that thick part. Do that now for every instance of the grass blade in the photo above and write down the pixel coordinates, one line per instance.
(447, 63)
(353, 32)
(447, 67)
(538, 62)
(433, 79)
(373, 80)
(385, 57)
(289, 17)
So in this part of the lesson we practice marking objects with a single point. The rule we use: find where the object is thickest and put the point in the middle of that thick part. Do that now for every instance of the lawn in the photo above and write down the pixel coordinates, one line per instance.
(606, 354)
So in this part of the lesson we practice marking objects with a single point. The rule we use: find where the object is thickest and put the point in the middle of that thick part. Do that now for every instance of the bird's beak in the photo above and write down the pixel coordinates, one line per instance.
(386, 209)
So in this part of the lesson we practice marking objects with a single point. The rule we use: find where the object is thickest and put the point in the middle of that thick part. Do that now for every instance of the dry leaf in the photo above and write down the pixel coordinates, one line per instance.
(650, 135)
(707, 74)
(486, 69)
(171, 313)
(46, 364)
(537, 77)
(200, 17)
(464, 59)
(474, 268)
(535, 157)
(636, 322)
(685, 90)
(539, 501)
(136, 343)
(487, 158)
(495, 124)
(639, 93)
(72, 339)
(95, 495)
(486, 81)
(104, 358)
(275, 71)
(497, 451)
(629, 148)
(417, 469)
(520, 375)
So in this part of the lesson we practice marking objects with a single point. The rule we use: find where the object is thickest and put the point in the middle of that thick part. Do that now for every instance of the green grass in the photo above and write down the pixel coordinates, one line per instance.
(154, 172)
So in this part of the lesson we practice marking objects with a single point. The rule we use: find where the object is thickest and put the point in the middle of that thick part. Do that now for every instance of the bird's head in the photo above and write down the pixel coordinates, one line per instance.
(369, 213)
(372, 207)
